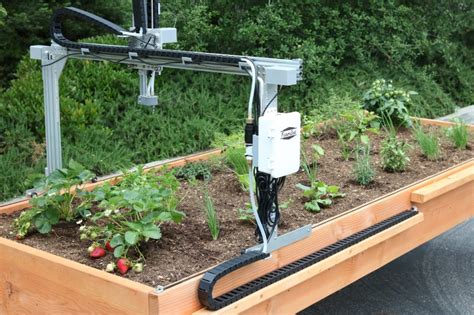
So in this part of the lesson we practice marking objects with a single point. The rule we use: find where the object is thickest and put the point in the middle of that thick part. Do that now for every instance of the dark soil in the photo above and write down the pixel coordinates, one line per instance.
(188, 248)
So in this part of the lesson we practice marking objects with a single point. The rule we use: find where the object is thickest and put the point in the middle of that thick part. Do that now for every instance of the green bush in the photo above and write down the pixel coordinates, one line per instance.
(345, 47)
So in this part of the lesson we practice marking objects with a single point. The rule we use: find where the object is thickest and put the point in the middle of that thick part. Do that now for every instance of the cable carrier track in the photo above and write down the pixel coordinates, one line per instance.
(70, 12)
(211, 277)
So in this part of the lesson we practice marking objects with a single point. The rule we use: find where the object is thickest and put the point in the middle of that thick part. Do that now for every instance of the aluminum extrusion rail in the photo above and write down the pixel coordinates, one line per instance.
(211, 277)
(59, 38)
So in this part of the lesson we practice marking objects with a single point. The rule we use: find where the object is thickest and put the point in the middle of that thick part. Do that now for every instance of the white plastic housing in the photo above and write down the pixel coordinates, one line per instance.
(279, 144)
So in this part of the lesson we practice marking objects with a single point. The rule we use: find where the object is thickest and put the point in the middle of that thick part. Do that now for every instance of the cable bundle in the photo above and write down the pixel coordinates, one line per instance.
(267, 199)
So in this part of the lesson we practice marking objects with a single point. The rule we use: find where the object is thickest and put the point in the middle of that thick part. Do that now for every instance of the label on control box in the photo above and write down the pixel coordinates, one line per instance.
(279, 143)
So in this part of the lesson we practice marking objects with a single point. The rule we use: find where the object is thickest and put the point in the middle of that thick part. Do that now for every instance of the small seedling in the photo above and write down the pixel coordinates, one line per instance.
(354, 126)
(319, 195)
(459, 135)
(428, 142)
(246, 214)
(363, 170)
(211, 216)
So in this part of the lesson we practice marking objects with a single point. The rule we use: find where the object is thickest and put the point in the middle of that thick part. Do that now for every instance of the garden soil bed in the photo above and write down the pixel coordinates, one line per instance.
(187, 248)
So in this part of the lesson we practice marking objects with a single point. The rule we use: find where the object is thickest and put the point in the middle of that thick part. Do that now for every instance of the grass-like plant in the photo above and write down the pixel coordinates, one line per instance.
(458, 134)
(428, 143)
(211, 216)
(364, 172)
(311, 167)
(235, 158)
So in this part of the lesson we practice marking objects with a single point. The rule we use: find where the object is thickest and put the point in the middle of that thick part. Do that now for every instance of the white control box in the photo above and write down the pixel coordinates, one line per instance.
(279, 143)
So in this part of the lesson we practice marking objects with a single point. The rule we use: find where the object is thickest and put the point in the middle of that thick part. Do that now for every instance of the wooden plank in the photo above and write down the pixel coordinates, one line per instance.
(443, 186)
(312, 271)
(440, 123)
(440, 215)
(36, 282)
(113, 180)
(182, 298)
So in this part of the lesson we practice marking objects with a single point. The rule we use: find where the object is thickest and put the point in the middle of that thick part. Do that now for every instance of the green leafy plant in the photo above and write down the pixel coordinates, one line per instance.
(394, 155)
(458, 134)
(384, 100)
(428, 143)
(319, 195)
(311, 168)
(61, 189)
(132, 212)
(363, 170)
(211, 216)
(246, 214)
(193, 171)
(354, 126)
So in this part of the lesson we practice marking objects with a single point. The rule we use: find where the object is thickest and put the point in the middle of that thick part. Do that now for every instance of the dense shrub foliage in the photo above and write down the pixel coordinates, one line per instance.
(345, 47)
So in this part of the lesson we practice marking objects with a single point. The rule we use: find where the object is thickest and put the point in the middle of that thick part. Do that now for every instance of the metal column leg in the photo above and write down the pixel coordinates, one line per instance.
(51, 74)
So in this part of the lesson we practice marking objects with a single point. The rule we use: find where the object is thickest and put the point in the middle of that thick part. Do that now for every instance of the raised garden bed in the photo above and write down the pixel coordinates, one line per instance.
(187, 249)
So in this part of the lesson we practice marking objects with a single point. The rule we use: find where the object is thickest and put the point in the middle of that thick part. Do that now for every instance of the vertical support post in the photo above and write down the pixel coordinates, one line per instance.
(268, 98)
(51, 71)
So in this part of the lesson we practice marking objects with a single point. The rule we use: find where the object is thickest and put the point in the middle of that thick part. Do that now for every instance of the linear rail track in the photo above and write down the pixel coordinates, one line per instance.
(211, 277)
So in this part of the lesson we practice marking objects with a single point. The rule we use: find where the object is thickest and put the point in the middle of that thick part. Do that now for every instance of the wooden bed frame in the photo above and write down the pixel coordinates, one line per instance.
(35, 282)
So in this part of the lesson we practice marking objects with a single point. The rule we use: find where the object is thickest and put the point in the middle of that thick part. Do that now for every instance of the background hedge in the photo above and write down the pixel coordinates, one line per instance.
(426, 46)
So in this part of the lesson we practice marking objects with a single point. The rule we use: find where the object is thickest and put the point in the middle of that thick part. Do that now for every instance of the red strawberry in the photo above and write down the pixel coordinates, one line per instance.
(109, 247)
(123, 265)
(97, 252)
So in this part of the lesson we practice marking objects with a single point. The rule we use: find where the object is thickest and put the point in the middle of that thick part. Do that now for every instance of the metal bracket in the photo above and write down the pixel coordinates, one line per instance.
(276, 242)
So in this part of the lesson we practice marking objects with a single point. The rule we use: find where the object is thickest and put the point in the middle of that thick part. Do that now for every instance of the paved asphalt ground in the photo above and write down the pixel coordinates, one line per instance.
(435, 278)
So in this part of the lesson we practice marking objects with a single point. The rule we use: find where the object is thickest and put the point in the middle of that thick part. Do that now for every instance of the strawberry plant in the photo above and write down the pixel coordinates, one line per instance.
(319, 195)
(132, 212)
(62, 199)
(193, 171)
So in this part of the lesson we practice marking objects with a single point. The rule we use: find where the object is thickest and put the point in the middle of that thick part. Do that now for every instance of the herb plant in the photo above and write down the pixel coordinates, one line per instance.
(363, 170)
(61, 190)
(458, 134)
(384, 100)
(428, 143)
(394, 155)
(354, 126)
(211, 216)
(319, 195)
(132, 212)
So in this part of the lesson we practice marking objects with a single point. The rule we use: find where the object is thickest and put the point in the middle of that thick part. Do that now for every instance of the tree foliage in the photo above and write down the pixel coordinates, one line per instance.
(27, 23)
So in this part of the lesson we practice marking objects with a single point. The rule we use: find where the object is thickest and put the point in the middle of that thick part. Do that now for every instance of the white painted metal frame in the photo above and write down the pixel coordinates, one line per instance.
(53, 59)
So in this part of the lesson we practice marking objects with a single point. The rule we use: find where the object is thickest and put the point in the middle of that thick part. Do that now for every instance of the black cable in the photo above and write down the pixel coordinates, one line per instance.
(58, 60)
(273, 98)
(267, 199)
